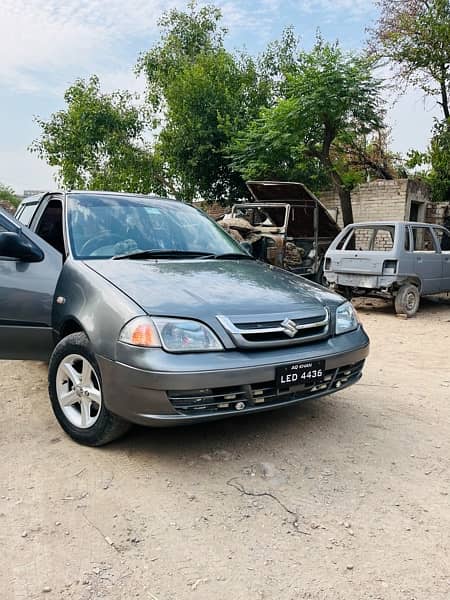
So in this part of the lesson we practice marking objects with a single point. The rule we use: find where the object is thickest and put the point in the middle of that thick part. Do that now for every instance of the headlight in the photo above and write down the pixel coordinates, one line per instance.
(181, 335)
(346, 319)
(174, 335)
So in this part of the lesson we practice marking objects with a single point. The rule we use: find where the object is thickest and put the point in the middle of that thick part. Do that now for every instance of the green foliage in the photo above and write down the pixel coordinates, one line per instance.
(268, 149)
(8, 195)
(97, 141)
(218, 117)
(184, 35)
(331, 98)
(436, 162)
(415, 34)
(204, 94)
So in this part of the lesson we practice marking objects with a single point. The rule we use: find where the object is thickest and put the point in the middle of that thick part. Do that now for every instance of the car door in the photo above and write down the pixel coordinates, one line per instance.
(443, 240)
(427, 259)
(27, 286)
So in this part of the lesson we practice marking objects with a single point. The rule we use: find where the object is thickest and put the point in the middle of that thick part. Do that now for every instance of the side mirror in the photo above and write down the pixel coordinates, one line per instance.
(247, 247)
(17, 246)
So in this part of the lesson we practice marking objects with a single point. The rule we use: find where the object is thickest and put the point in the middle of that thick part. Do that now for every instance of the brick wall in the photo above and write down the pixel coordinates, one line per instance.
(375, 201)
(378, 200)
(214, 210)
(437, 212)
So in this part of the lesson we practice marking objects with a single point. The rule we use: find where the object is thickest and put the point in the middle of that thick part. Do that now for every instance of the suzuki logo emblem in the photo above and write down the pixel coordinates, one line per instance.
(290, 327)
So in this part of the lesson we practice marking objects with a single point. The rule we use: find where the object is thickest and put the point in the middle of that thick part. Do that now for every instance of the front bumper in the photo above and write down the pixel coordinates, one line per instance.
(153, 387)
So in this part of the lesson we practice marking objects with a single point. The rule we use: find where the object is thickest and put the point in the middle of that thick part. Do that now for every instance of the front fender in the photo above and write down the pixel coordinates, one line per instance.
(101, 309)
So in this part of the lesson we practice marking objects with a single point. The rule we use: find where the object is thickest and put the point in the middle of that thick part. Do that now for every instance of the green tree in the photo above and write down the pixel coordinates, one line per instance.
(8, 195)
(200, 95)
(415, 35)
(98, 142)
(331, 99)
(435, 161)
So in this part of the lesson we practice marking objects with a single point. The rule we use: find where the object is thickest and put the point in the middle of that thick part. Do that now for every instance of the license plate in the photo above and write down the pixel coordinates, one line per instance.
(306, 373)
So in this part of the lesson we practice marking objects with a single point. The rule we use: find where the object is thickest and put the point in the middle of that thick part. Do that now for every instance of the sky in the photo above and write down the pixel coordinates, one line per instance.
(46, 44)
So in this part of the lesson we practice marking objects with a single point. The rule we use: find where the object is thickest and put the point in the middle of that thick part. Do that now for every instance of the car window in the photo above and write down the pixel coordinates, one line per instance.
(375, 239)
(423, 239)
(50, 226)
(26, 212)
(407, 240)
(342, 242)
(103, 226)
(258, 216)
(443, 236)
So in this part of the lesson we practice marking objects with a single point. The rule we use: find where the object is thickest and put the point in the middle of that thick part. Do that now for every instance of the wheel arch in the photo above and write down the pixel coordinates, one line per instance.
(409, 280)
(70, 325)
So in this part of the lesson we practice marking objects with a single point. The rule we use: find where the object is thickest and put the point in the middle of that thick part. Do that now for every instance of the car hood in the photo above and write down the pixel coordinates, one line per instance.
(206, 288)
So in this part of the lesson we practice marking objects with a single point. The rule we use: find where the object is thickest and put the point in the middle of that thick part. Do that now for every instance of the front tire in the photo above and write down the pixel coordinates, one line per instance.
(407, 300)
(75, 390)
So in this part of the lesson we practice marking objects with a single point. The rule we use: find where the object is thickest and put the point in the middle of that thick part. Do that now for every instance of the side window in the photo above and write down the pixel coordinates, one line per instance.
(342, 241)
(407, 240)
(26, 212)
(423, 239)
(50, 226)
(443, 236)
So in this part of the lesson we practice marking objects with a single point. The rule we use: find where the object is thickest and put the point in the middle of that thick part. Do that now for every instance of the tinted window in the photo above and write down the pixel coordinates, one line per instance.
(26, 212)
(50, 226)
(102, 226)
(423, 239)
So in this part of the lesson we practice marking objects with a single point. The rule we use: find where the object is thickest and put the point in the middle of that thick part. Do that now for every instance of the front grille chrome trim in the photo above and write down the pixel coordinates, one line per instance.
(238, 332)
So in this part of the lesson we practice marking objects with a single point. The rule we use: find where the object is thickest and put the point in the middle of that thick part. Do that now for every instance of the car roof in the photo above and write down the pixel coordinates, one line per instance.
(388, 223)
(38, 197)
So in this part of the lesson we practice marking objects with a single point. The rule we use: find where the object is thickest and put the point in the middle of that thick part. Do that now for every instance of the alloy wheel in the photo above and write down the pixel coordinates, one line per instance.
(78, 391)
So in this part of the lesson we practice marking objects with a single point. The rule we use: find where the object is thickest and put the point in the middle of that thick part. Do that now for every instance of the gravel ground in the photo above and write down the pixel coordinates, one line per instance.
(344, 498)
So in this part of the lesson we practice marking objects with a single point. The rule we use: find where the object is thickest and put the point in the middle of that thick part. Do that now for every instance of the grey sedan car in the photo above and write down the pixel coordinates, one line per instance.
(148, 312)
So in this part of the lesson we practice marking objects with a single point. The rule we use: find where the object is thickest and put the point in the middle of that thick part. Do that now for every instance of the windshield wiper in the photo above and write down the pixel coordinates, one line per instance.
(230, 256)
(161, 254)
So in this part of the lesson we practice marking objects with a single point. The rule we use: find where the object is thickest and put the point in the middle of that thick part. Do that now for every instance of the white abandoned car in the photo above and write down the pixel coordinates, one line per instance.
(397, 259)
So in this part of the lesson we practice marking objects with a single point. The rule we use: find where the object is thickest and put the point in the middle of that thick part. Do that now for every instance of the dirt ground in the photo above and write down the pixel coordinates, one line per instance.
(345, 498)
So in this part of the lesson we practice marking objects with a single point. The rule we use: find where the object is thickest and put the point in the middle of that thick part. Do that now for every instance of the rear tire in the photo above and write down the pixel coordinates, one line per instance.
(75, 390)
(407, 300)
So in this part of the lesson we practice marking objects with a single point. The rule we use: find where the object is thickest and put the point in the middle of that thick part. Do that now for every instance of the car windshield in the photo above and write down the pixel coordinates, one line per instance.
(104, 226)
(261, 216)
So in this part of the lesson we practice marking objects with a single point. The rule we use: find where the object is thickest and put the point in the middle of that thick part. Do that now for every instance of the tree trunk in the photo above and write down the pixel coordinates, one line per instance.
(339, 187)
(444, 95)
(343, 193)
(346, 204)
